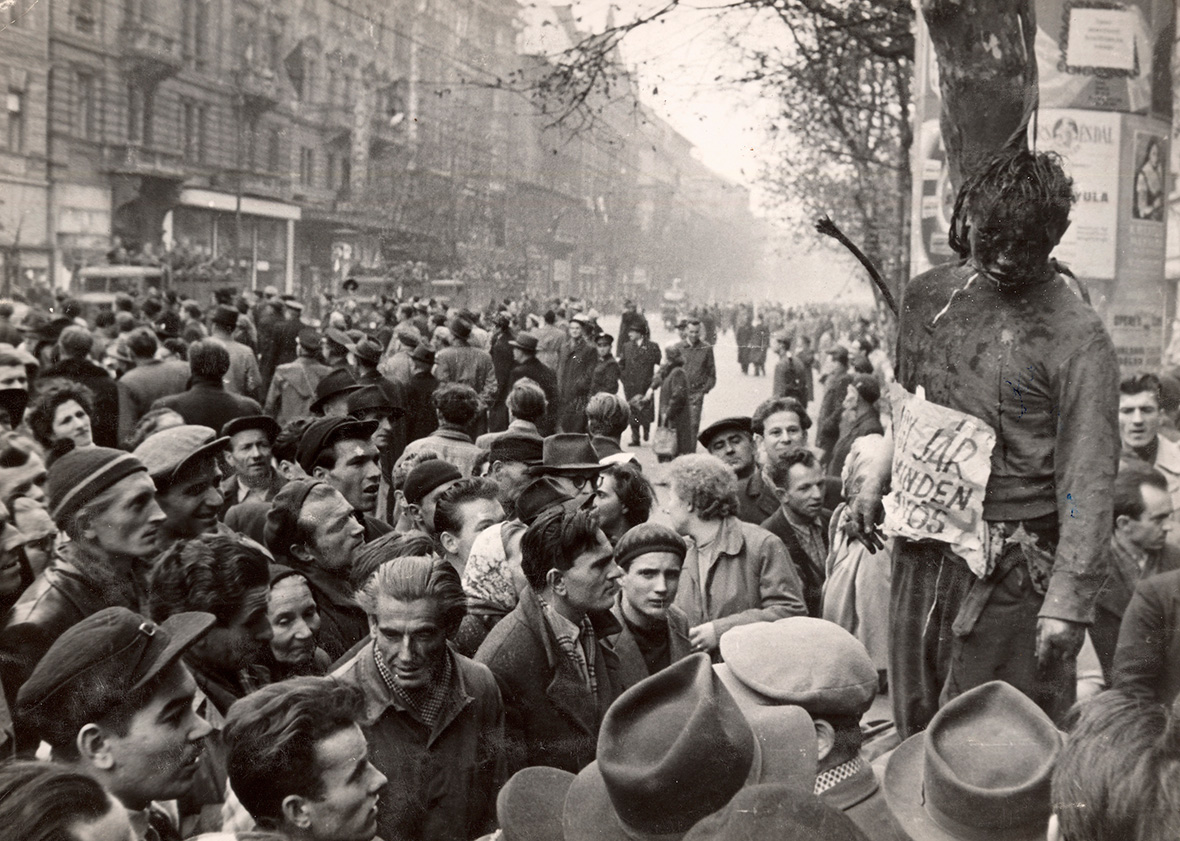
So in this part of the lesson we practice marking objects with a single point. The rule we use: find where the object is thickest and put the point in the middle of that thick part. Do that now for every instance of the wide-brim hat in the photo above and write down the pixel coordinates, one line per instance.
(264, 422)
(567, 452)
(525, 341)
(538, 495)
(332, 385)
(672, 750)
(742, 424)
(981, 770)
(339, 337)
(529, 806)
(367, 350)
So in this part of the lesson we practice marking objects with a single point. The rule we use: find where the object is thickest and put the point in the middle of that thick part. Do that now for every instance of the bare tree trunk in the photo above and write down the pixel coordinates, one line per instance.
(987, 75)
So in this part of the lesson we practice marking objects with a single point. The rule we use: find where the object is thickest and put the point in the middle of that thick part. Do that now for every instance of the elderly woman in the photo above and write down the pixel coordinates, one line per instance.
(61, 410)
(750, 575)
(622, 500)
(295, 621)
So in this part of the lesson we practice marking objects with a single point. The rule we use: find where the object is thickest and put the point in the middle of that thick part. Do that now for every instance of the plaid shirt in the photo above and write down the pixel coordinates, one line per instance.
(577, 641)
(426, 705)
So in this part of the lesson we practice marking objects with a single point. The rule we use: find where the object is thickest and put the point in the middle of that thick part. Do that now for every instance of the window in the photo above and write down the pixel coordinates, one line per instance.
(194, 34)
(82, 11)
(309, 79)
(84, 105)
(139, 116)
(306, 166)
(16, 120)
(331, 171)
(192, 129)
(272, 151)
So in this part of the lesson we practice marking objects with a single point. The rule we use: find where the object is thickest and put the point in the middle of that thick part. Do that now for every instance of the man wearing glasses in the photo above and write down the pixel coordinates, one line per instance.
(570, 460)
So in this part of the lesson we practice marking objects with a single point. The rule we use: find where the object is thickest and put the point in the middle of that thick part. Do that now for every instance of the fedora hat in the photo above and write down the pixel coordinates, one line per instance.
(538, 495)
(529, 806)
(332, 385)
(672, 749)
(526, 342)
(567, 452)
(980, 771)
(776, 813)
(367, 350)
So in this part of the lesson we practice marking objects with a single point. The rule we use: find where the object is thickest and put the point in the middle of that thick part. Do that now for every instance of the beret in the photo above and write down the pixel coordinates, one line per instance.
(801, 660)
(428, 476)
(646, 538)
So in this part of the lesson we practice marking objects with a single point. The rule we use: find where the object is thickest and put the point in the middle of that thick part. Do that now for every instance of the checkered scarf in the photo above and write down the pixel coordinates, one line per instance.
(580, 651)
(425, 705)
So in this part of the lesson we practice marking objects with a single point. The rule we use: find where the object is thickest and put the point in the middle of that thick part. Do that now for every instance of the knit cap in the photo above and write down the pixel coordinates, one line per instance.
(81, 475)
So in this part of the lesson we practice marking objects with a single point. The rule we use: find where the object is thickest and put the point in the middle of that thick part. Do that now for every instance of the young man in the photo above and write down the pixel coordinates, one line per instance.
(457, 406)
(732, 441)
(228, 578)
(340, 451)
(1048, 503)
(312, 528)
(105, 501)
(701, 370)
(605, 379)
(1139, 430)
(299, 762)
(433, 718)
(249, 455)
(556, 674)
(801, 521)
(113, 700)
(183, 462)
(464, 510)
(654, 631)
(426, 482)
(779, 424)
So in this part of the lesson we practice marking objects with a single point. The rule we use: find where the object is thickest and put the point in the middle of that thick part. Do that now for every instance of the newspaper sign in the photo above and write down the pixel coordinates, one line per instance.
(941, 465)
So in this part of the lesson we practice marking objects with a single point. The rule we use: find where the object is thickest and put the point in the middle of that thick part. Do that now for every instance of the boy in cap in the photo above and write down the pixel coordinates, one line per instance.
(835, 682)
(654, 631)
(183, 462)
(105, 501)
(293, 387)
(299, 763)
(113, 700)
(312, 528)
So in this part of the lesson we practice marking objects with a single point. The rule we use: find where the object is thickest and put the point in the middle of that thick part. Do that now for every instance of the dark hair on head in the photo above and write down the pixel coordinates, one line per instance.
(177, 347)
(779, 468)
(44, 801)
(635, 493)
(192, 309)
(1017, 198)
(554, 540)
(71, 308)
(1140, 384)
(6, 309)
(142, 341)
(447, 516)
(76, 341)
(287, 441)
(271, 737)
(104, 318)
(527, 400)
(456, 403)
(773, 407)
(50, 395)
(385, 548)
(208, 359)
(1118, 774)
(152, 307)
(1128, 491)
(210, 573)
(550, 317)
(607, 414)
(414, 577)
(98, 695)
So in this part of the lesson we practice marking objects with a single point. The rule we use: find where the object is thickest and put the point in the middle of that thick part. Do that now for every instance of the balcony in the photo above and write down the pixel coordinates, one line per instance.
(151, 52)
(259, 88)
(266, 185)
(333, 115)
(136, 159)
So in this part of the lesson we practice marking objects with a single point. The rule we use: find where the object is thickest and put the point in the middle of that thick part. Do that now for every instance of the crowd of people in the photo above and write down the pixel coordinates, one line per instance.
(449, 575)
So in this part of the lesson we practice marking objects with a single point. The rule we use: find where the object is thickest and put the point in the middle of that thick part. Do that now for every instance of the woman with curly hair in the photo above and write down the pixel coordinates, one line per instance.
(62, 409)
(734, 573)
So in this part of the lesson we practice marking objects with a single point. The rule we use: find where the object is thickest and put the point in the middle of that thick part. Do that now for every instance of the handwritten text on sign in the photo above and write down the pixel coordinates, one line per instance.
(941, 464)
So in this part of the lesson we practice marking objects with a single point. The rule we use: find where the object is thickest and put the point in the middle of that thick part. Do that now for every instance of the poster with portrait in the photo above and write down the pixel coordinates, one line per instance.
(1149, 196)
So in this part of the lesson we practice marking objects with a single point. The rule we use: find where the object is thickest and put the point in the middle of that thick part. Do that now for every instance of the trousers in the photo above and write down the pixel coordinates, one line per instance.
(953, 631)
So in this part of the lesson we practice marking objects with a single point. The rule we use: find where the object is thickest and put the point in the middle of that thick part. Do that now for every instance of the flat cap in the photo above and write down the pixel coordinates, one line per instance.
(742, 424)
(166, 452)
(264, 422)
(801, 660)
(325, 432)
